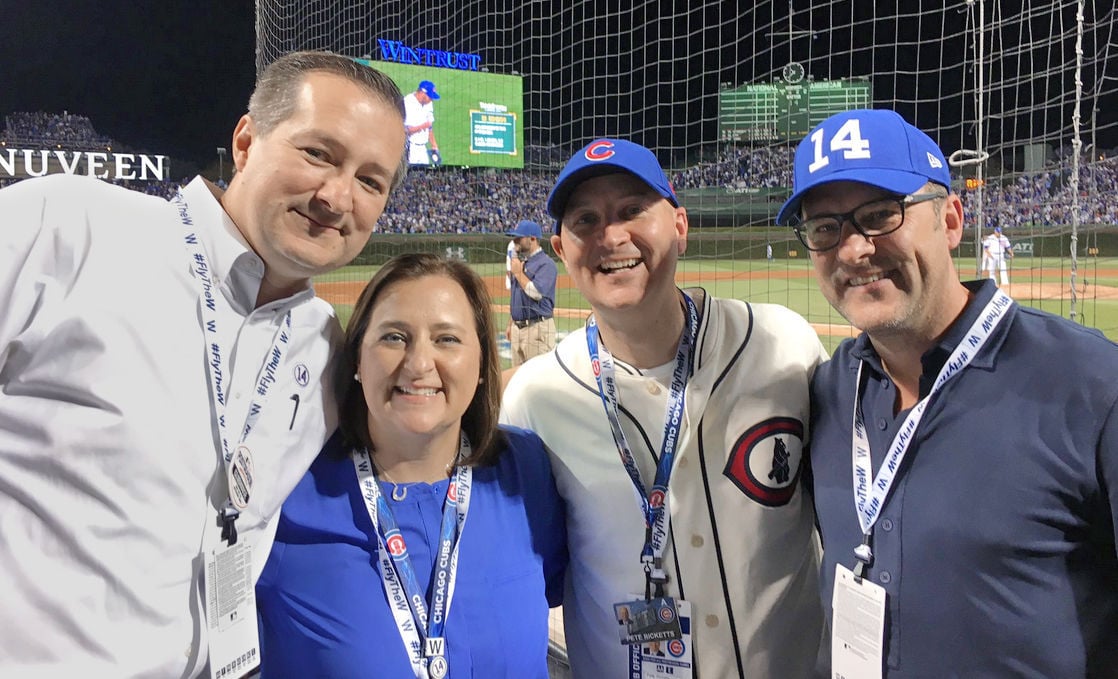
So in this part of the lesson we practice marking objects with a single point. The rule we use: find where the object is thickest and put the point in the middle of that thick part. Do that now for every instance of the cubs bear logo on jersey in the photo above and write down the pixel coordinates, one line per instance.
(765, 460)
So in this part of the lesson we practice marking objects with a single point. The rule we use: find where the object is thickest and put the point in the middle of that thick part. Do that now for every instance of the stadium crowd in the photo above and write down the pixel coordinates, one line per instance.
(472, 200)
(59, 130)
(1046, 199)
(453, 200)
(764, 167)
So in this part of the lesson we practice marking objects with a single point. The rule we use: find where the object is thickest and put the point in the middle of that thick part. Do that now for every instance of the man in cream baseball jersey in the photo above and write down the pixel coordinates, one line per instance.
(676, 422)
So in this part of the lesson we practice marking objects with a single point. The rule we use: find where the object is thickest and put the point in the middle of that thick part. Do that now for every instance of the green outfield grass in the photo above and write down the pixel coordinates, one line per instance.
(789, 282)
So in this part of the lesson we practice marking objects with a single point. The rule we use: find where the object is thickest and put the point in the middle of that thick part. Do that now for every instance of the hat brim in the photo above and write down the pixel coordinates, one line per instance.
(893, 181)
(557, 201)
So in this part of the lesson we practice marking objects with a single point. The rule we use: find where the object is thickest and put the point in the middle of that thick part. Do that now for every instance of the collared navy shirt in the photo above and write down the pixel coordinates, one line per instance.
(541, 270)
(996, 545)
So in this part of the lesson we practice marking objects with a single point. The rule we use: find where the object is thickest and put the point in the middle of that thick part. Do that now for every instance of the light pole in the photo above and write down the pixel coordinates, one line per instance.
(221, 151)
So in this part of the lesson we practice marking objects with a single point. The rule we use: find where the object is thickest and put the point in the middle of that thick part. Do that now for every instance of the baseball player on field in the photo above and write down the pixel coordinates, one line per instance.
(996, 249)
(676, 425)
(419, 123)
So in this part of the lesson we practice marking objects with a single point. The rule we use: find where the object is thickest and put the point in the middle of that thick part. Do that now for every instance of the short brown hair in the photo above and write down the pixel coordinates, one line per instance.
(273, 99)
(479, 422)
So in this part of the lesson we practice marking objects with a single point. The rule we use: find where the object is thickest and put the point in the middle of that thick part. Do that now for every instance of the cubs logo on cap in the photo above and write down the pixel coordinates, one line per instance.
(607, 156)
(874, 147)
(599, 150)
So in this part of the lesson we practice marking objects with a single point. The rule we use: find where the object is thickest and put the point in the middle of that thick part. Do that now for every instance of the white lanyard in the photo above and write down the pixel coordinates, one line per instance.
(401, 584)
(654, 507)
(239, 471)
(870, 497)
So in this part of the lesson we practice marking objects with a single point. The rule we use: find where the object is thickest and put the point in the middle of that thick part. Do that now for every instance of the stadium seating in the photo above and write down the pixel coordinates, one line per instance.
(464, 200)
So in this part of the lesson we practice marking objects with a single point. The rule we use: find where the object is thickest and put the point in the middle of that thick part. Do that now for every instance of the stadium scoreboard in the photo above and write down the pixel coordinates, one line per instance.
(478, 115)
(781, 111)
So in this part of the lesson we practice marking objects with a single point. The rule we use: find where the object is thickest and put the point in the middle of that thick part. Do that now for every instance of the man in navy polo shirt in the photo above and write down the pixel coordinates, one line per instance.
(532, 276)
(952, 547)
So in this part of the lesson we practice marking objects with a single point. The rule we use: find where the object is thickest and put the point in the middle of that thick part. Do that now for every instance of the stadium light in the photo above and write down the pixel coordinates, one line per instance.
(221, 151)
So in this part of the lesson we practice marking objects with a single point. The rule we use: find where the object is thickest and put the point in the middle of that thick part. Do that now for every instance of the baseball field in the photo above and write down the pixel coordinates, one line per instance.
(1037, 282)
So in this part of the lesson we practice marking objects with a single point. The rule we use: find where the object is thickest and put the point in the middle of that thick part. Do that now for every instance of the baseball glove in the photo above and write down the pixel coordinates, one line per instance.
(436, 158)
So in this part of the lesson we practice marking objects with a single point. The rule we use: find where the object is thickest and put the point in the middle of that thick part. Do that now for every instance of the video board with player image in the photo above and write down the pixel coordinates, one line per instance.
(458, 117)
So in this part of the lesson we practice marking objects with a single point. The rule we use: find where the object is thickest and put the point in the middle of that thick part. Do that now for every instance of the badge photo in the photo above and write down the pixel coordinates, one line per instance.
(643, 620)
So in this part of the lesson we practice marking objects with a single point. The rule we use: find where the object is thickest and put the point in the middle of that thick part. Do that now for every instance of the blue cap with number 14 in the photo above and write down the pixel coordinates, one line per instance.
(878, 148)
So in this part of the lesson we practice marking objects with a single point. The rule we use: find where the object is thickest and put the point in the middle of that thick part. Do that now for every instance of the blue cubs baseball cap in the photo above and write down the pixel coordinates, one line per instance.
(874, 147)
(526, 227)
(607, 156)
(427, 87)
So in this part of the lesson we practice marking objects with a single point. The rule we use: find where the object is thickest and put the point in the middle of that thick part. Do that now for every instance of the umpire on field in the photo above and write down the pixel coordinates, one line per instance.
(532, 276)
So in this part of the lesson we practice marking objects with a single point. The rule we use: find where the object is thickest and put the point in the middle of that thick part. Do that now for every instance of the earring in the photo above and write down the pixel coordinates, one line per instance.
(481, 380)
(356, 377)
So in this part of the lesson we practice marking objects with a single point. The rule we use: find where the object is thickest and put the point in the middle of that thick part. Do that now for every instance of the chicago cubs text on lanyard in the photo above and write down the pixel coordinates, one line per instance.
(421, 623)
(656, 618)
(859, 605)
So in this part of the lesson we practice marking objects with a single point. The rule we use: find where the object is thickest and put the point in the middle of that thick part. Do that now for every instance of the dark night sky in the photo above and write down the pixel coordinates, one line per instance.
(164, 76)
(173, 76)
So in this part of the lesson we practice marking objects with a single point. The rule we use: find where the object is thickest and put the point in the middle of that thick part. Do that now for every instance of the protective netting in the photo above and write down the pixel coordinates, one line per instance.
(1021, 95)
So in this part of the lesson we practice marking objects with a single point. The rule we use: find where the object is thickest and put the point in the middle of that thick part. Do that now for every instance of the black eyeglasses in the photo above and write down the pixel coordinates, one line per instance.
(878, 217)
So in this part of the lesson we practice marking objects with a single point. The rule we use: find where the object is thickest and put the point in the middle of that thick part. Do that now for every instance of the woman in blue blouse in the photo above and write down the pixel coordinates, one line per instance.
(424, 541)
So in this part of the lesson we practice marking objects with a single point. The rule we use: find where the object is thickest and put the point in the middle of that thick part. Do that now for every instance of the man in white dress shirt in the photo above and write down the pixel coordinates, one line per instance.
(162, 378)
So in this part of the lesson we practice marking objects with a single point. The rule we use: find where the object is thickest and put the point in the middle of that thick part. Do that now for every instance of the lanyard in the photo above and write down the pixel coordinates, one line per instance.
(239, 470)
(869, 498)
(401, 584)
(653, 506)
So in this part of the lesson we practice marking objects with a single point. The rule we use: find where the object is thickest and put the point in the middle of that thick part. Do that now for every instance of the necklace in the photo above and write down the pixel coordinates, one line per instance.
(400, 490)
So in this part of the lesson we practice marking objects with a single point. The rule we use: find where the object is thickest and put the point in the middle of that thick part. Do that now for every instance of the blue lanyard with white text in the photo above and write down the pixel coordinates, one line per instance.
(401, 584)
(870, 498)
(653, 506)
(239, 470)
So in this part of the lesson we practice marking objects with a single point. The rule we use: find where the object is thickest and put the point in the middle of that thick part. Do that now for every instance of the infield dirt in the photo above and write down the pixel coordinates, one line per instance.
(346, 292)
